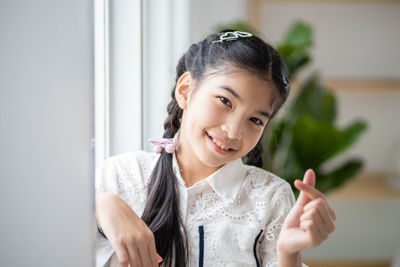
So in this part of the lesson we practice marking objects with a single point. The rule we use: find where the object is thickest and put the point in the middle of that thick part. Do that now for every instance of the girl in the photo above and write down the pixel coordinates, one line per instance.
(194, 203)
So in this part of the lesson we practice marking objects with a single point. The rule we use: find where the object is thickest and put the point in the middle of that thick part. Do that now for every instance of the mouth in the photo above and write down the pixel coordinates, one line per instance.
(219, 146)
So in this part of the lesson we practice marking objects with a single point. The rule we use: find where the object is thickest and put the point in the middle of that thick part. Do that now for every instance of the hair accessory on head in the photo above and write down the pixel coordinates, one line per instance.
(170, 145)
(229, 36)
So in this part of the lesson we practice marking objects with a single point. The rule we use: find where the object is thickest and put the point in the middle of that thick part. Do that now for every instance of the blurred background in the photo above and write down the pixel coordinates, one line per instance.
(79, 75)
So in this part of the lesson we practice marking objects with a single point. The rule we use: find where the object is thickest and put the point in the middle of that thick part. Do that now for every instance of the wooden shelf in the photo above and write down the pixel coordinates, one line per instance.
(371, 185)
(363, 84)
(357, 85)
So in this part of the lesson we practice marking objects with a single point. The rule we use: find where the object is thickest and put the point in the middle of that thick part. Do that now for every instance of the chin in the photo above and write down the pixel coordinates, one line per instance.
(212, 160)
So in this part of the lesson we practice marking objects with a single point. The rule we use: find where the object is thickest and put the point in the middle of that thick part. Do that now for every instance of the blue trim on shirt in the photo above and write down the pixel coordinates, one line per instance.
(255, 248)
(201, 245)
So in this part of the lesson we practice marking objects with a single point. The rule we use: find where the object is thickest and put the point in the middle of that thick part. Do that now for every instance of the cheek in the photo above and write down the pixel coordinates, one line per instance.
(205, 115)
(252, 138)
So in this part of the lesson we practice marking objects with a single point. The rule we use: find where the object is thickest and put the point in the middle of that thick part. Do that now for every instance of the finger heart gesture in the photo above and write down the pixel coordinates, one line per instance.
(310, 221)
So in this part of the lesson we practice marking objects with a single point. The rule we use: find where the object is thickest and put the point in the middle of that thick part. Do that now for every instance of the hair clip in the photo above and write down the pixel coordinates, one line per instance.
(170, 145)
(229, 36)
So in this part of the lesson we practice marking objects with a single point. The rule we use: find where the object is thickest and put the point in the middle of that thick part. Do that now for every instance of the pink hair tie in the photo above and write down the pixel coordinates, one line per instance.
(169, 145)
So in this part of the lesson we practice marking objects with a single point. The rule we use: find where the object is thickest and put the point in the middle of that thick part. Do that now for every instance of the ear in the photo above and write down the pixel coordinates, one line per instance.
(182, 89)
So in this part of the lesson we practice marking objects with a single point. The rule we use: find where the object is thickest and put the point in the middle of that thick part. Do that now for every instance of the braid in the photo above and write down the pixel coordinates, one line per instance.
(172, 123)
(161, 212)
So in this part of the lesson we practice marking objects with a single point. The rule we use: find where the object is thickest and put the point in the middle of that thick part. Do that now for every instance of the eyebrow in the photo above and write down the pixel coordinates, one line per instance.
(232, 92)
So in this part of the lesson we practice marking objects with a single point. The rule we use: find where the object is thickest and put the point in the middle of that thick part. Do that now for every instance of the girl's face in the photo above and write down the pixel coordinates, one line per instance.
(224, 117)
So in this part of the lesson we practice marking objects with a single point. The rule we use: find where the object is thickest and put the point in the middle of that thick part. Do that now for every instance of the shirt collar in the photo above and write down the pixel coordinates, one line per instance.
(226, 181)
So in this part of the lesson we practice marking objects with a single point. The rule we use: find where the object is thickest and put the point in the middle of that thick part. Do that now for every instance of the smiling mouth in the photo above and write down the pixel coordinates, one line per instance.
(219, 144)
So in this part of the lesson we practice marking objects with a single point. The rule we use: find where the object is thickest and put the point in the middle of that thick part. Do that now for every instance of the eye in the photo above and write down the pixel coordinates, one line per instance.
(225, 101)
(257, 121)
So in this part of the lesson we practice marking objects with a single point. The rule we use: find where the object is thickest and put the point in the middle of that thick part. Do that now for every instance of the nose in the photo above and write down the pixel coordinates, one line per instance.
(233, 129)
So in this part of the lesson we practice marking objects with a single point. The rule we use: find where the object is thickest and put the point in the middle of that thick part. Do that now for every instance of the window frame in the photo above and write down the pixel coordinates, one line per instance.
(135, 58)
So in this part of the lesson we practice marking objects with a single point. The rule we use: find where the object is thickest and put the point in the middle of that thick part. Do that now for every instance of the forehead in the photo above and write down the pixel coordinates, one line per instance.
(249, 87)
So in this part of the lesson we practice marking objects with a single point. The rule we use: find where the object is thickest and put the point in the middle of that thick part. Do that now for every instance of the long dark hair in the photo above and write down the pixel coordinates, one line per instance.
(161, 212)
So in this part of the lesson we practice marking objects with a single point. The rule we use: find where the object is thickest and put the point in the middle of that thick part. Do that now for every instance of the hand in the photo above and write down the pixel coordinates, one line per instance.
(129, 236)
(309, 222)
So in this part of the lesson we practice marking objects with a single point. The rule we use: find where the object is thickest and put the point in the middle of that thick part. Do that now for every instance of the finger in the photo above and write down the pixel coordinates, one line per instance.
(153, 253)
(144, 254)
(332, 213)
(323, 208)
(153, 257)
(122, 254)
(292, 218)
(313, 233)
(159, 258)
(309, 179)
(311, 215)
(150, 247)
(321, 232)
(320, 206)
(134, 256)
(308, 190)
(319, 215)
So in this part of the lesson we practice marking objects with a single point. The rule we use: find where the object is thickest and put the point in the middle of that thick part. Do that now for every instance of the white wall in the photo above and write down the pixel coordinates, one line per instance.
(380, 108)
(207, 14)
(352, 39)
(367, 230)
(46, 118)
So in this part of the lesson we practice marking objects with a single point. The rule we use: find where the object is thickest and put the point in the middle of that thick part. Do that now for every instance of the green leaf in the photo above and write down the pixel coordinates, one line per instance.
(336, 178)
(291, 169)
(294, 47)
(317, 141)
(273, 136)
(313, 99)
(299, 35)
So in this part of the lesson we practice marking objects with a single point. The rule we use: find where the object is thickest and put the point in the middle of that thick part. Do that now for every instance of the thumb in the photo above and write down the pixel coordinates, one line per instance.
(308, 179)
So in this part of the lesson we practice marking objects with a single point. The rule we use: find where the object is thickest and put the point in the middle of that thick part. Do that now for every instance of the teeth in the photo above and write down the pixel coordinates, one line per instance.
(219, 144)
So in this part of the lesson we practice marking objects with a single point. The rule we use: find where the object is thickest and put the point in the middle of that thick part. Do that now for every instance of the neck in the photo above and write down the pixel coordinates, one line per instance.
(192, 169)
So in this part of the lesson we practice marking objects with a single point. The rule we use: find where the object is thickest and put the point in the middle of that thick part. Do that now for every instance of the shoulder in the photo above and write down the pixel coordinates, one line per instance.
(264, 184)
(130, 161)
(127, 175)
(133, 167)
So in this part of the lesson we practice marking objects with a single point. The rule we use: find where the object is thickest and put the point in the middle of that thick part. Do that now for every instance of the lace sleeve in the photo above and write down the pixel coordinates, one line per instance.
(119, 175)
(283, 202)
(106, 177)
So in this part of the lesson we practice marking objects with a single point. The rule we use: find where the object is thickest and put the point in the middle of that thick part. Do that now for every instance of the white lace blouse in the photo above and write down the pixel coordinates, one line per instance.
(232, 218)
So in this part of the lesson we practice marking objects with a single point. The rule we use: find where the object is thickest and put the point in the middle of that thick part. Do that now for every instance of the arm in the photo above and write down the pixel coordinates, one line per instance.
(129, 236)
(307, 225)
(289, 260)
